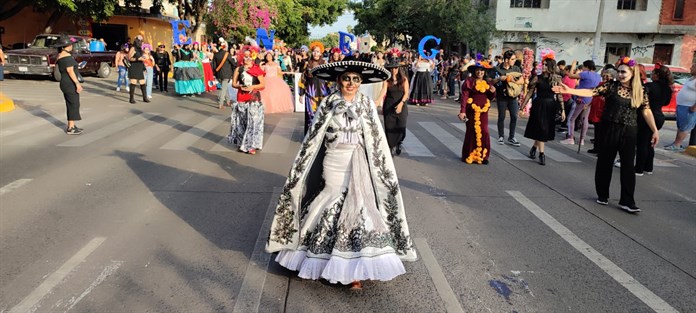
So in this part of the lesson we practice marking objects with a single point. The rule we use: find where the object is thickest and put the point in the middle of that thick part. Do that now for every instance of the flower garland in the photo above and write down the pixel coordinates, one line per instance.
(478, 154)
(481, 86)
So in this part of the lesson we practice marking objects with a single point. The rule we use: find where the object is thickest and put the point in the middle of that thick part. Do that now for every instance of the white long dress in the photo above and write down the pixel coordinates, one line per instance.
(343, 236)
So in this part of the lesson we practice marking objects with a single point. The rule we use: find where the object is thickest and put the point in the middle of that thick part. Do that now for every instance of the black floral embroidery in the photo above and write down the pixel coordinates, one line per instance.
(323, 238)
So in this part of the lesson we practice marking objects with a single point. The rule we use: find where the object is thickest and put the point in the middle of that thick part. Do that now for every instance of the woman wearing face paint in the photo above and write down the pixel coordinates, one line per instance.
(341, 214)
(246, 130)
(625, 98)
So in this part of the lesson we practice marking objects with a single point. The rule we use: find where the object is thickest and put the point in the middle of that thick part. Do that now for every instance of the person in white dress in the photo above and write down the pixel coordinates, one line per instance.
(352, 227)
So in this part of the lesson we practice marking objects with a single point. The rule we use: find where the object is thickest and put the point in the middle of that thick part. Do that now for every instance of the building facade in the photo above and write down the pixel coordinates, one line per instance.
(22, 27)
(629, 27)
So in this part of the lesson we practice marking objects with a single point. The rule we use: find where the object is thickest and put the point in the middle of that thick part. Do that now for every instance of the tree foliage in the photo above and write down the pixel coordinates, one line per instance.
(97, 10)
(238, 18)
(395, 21)
(330, 40)
(289, 18)
(191, 10)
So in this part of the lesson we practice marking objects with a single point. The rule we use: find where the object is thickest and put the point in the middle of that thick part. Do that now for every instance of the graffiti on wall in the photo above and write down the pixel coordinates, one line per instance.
(640, 51)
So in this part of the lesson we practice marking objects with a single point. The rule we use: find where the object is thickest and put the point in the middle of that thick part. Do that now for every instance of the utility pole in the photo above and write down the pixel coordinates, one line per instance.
(598, 33)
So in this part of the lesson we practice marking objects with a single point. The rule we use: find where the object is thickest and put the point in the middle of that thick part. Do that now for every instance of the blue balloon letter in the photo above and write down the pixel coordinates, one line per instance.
(344, 44)
(179, 32)
(421, 47)
(262, 37)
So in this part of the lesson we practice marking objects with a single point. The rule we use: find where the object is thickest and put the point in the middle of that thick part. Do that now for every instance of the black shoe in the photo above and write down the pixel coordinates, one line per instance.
(143, 88)
(593, 151)
(131, 91)
(398, 149)
(73, 131)
(542, 159)
(80, 129)
(485, 162)
(630, 208)
(532, 153)
(603, 201)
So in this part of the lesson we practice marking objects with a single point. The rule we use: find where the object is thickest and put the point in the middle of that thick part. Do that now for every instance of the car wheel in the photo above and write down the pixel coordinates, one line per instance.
(56, 73)
(104, 70)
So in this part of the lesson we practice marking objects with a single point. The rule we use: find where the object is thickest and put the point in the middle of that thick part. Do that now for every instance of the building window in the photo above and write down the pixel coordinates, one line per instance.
(532, 4)
(678, 10)
(616, 50)
(637, 5)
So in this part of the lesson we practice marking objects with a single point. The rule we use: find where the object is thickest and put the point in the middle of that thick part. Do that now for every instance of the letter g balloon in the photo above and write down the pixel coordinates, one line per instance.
(421, 47)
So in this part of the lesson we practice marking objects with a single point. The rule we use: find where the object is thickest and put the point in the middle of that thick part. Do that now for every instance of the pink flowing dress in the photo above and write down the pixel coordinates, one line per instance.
(276, 96)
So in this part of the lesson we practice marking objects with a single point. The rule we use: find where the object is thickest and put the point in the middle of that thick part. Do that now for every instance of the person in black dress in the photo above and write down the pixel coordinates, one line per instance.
(541, 126)
(163, 65)
(659, 95)
(69, 84)
(136, 73)
(394, 95)
(625, 98)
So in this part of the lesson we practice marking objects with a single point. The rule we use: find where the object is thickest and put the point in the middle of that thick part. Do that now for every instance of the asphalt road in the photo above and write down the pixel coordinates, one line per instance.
(151, 211)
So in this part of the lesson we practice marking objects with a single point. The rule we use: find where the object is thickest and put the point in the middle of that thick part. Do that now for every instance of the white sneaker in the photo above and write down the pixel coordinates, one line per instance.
(617, 163)
(501, 140)
(127, 89)
(118, 88)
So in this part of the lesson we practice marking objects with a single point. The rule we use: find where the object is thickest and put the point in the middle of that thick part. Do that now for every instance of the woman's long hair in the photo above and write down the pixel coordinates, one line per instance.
(400, 78)
(636, 87)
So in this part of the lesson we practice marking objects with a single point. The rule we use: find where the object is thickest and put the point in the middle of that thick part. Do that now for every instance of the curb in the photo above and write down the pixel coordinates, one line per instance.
(6, 104)
(691, 150)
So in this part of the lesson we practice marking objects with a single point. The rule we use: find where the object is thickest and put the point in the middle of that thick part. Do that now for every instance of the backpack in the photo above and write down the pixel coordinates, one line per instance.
(513, 90)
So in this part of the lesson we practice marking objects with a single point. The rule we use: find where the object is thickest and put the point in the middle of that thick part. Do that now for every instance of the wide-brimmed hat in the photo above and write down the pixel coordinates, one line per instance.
(64, 41)
(479, 64)
(371, 73)
(394, 64)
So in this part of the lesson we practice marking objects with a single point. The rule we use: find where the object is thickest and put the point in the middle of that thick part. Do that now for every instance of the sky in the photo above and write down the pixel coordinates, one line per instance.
(343, 21)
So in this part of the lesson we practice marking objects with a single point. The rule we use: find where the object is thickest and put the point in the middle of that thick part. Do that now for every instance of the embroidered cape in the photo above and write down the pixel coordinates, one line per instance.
(304, 181)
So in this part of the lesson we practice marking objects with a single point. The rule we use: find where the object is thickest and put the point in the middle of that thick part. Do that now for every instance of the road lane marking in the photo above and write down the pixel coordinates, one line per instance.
(281, 137)
(414, 147)
(29, 303)
(443, 288)
(14, 185)
(42, 134)
(153, 131)
(552, 153)
(504, 150)
(636, 288)
(108, 271)
(107, 130)
(186, 140)
(452, 143)
(249, 297)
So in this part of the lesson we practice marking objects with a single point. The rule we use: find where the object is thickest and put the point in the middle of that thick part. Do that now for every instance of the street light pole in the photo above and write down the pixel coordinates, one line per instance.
(598, 33)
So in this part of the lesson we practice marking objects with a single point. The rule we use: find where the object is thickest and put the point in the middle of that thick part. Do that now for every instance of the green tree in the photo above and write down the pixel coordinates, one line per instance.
(330, 40)
(97, 10)
(191, 10)
(394, 21)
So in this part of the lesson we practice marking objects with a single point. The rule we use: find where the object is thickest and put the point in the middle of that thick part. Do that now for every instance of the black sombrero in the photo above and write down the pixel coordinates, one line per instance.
(371, 73)
(394, 64)
(64, 41)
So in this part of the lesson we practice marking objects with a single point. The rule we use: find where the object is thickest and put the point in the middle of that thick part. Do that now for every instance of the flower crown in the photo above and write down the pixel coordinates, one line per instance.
(627, 61)
(316, 44)
(548, 54)
(395, 52)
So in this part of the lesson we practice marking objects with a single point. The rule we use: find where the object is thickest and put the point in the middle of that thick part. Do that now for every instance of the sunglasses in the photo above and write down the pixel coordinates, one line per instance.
(354, 79)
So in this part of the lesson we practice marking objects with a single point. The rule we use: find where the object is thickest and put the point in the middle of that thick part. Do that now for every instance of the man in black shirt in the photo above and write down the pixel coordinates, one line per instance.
(506, 73)
(224, 64)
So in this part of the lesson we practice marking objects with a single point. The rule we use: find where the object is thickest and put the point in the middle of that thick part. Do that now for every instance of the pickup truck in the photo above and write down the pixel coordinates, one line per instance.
(40, 58)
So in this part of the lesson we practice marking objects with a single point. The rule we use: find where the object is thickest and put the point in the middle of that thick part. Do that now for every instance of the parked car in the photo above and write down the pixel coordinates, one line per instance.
(40, 58)
(680, 75)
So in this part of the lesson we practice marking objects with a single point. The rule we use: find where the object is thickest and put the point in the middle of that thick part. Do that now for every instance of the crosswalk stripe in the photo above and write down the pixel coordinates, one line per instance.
(107, 130)
(504, 150)
(37, 121)
(550, 153)
(452, 143)
(153, 131)
(281, 137)
(414, 147)
(185, 140)
(48, 131)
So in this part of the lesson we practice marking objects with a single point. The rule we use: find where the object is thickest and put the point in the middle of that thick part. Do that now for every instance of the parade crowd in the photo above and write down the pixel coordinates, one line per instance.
(341, 215)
